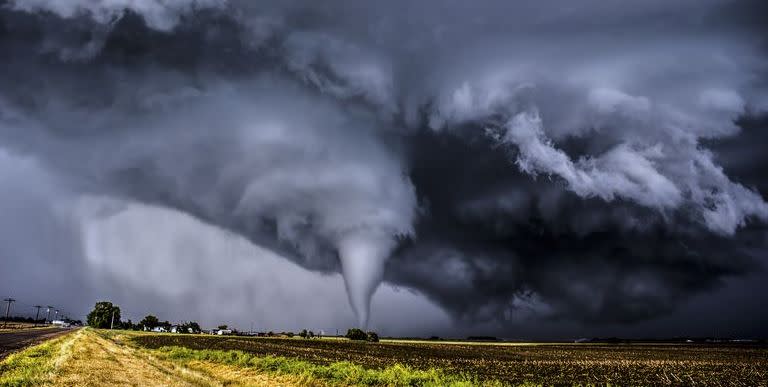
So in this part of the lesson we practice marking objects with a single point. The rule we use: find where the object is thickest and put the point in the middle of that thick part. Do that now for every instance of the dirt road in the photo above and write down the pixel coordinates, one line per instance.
(16, 340)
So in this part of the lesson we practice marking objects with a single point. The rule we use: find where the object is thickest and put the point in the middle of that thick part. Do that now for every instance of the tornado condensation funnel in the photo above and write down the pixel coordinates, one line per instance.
(363, 257)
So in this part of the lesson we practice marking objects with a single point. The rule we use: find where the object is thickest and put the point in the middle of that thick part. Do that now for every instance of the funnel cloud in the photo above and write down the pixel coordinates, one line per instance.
(514, 165)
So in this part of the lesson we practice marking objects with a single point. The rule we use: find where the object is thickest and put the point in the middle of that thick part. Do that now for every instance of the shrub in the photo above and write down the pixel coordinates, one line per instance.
(356, 334)
(372, 337)
(150, 322)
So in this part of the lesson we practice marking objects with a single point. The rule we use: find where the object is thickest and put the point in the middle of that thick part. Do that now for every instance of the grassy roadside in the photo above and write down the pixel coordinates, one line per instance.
(36, 365)
(91, 357)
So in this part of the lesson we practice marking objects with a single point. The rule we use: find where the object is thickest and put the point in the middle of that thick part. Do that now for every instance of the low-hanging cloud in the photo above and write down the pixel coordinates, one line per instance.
(489, 157)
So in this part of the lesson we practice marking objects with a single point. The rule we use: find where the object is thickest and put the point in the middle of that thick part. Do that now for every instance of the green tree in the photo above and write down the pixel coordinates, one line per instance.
(194, 326)
(303, 334)
(188, 327)
(102, 315)
(356, 334)
(373, 337)
(149, 322)
(222, 326)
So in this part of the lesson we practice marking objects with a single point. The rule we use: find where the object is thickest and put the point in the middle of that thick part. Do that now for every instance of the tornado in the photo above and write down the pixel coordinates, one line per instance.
(363, 256)
(577, 167)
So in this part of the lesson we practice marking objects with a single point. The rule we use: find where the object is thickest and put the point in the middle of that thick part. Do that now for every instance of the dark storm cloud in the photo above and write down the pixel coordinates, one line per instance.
(597, 162)
(493, 233)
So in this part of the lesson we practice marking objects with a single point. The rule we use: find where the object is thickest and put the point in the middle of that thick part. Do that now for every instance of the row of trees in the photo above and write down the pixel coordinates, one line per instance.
(106, 315)
(305, 334)
(22, 319)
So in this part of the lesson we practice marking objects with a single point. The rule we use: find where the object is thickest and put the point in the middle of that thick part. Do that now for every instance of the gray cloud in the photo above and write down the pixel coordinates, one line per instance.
(161, 15)
(572, 162)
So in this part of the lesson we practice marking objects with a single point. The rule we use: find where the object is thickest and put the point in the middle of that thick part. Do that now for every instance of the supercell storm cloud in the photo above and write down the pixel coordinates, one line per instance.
(590, 161)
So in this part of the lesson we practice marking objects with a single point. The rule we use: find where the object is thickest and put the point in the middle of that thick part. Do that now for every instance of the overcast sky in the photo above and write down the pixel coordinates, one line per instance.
(543, 170)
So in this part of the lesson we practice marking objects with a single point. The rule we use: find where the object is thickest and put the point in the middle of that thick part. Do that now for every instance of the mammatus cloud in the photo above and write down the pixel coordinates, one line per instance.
(496, 158)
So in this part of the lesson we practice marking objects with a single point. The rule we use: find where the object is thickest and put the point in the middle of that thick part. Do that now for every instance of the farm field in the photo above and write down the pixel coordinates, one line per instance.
(562, 364)
(90, 357)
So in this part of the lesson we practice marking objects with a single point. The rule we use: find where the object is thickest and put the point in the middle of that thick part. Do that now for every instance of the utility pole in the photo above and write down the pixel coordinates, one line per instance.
(56, 314)
(8, 308)
(112, 322)
(37, 315)
(48, 317)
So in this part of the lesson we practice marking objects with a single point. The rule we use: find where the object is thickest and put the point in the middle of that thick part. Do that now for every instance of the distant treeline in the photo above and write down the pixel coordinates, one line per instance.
(483, 338)
(674, 340)
(21, 319)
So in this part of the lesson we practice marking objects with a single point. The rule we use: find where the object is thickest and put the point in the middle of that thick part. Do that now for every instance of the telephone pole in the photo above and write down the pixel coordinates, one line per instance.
(8, 308)
(48, 317)
(37, 315)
